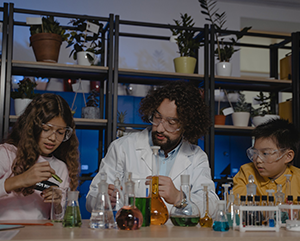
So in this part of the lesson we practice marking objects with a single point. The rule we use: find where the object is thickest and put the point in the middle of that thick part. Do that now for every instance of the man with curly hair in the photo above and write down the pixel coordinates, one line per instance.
(179, 117)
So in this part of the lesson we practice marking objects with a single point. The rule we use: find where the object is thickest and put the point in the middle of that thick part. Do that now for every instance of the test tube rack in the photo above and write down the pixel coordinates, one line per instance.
(245, 228)
(293, 211)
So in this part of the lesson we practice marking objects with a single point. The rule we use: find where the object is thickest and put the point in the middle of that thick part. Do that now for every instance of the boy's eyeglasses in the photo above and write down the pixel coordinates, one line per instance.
(61, 133)
(170, 124)
(264, 154)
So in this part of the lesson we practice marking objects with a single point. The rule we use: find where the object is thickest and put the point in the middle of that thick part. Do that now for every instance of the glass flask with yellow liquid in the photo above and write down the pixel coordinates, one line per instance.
(159, 211)
(206, 221)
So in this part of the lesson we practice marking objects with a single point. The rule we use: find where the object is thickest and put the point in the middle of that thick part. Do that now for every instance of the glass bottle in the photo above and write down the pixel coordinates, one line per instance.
(206, 221)
(298, 203)
(129, 217)
(257, 214)
(250, 214)
(271, 202)
(185, 213)
(279, 195)
(237, 202)
(243, 203)
(288, 190)
(251, 186)
(117, 193)
(221, 223)
(102, 215)
(230, 211)
(225, 194)
(159, 211)
(72, 217)
(264, 202)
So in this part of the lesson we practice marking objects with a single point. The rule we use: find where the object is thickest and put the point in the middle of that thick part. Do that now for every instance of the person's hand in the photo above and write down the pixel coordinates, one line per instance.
(167, 190)
(41, 171)
(50, 192)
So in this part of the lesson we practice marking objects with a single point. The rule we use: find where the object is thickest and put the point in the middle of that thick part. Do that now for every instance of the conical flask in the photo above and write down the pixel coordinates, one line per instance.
(102, 215)
(72, 216)
(221, 222)
(206, 221)
(185, 213)
(159, 211)
(129, 217)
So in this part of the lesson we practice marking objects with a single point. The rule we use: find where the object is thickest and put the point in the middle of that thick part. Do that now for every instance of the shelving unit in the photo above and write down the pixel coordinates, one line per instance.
(208, 80)
(102, 73)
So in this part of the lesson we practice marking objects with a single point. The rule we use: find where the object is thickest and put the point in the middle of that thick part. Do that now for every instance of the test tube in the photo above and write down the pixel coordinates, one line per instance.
(271, 203)
(226, 186)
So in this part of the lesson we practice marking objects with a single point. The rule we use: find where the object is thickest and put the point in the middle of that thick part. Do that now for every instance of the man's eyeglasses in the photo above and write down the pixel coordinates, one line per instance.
(62, 133)
(170, 124)
(266, 155)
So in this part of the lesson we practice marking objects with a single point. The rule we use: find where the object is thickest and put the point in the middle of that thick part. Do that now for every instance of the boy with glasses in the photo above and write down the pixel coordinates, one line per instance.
(179, 117)
(276, 146)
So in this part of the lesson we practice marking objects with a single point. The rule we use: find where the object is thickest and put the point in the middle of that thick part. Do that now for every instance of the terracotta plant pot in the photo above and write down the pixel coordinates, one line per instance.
(46, 46)
(185, 65)
(220, 119)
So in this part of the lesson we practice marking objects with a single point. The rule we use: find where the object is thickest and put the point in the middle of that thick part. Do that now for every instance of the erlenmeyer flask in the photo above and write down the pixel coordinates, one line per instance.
(185, 213)
(102, 215)
(159, 211)
(206, 221)
(129, 217)
(72, 216)
(221, 222)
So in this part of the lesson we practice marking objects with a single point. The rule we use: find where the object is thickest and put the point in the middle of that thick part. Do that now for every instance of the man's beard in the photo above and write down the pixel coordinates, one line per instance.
(166, 146)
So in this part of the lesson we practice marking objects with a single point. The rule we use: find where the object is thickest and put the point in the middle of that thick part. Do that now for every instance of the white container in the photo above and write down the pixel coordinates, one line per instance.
(257, 120)
(240, 118)
(223, 68)
(82, 58)
(20, 105)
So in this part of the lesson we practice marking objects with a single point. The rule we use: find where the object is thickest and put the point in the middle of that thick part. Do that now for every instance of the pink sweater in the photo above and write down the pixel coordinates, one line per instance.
(16, 206)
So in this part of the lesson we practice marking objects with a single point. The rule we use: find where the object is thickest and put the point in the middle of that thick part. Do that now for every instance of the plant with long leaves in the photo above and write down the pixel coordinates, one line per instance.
(185, 38)
(223, 51)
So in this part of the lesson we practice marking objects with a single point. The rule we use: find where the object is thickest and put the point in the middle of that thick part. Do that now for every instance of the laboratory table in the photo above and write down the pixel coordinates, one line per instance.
(158, 233)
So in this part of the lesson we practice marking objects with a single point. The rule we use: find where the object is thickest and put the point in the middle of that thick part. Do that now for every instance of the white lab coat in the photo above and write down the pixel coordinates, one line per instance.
(132, 153)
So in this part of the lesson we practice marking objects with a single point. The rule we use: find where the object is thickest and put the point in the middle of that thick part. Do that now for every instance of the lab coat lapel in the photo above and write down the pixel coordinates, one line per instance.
(144, 148)
(182, 161)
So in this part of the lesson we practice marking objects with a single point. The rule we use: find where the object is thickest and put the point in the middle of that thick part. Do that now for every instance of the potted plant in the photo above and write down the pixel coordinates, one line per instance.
(264, 112)
(85, 45)
(187, 43)
(241, 114)
(46, 39)
(91, 110)
(24, 95)
(121, 119)
(224, 51)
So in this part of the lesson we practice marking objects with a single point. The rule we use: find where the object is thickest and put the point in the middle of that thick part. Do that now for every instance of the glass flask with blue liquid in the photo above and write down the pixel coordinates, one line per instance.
(221, 223)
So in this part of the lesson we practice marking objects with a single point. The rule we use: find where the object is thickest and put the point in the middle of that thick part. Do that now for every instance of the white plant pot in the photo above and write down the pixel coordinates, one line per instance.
(20, 105)
(223, 69)
(257, 120)
(240, 118)
(82, 58)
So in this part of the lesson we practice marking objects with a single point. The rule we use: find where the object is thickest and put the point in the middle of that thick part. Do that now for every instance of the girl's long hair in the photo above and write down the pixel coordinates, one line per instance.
(26, 132)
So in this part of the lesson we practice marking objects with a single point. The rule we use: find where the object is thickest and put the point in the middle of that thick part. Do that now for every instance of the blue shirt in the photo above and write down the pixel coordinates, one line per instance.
(166, 163)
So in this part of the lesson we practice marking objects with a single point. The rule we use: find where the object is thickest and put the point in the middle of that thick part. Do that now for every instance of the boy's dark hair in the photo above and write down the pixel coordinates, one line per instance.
(191, 110)
(283, 133)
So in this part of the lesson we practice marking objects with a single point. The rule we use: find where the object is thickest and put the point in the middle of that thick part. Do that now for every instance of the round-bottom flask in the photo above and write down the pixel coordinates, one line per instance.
(185, 213)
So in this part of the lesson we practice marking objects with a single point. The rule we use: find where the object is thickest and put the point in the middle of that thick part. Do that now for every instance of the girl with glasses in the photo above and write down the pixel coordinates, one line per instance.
(40, 151)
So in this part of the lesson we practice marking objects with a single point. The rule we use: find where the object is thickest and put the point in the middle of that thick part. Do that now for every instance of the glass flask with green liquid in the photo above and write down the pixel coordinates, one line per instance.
(185, 213)
(72, 216)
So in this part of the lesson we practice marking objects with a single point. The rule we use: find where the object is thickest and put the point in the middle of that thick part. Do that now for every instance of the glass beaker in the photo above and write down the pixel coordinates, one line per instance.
(72, 217)
(221, 222)
(102, 215)
(129, 217)
(185, 213)
(159, 211)
(206, 221)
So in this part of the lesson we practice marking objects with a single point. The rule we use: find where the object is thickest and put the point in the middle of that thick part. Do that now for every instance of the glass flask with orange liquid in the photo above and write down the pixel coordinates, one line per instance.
(159, 211)
(206, 221)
